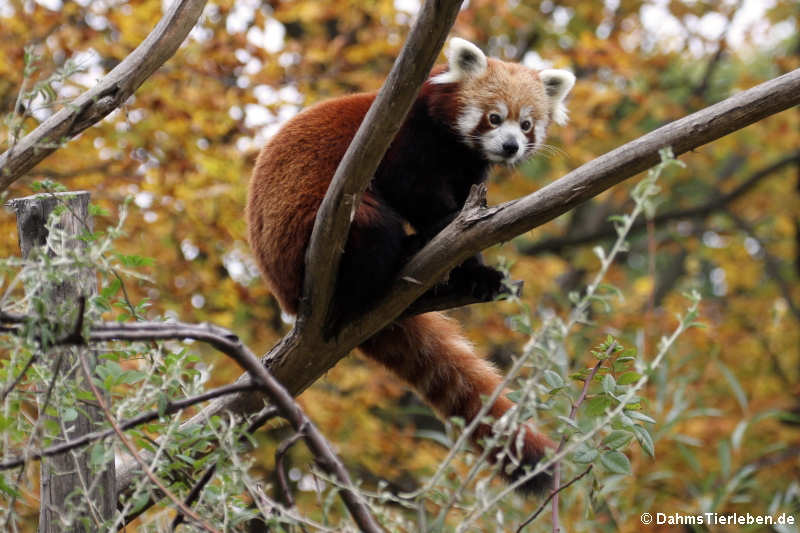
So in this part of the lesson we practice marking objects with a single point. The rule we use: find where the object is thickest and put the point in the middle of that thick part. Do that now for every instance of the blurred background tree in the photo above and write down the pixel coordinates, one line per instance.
(184, 145)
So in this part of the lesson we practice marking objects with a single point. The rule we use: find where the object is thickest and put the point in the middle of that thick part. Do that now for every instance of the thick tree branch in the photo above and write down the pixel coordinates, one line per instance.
(383, 120)
(111, 92)
(557, 244)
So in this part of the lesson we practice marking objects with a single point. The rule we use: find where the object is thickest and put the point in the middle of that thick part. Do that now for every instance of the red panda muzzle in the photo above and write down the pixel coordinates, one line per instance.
(430, 353)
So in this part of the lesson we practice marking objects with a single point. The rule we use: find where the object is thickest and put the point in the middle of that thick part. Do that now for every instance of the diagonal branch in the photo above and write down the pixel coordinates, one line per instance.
(111, 92)
(383, 120)
(229, 344)
(556, 244)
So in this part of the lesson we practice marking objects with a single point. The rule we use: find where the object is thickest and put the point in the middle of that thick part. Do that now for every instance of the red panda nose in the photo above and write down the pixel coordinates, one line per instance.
(510, 147)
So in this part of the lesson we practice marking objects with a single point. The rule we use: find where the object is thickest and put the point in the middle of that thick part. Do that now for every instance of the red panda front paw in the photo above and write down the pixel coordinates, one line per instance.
(480, 281)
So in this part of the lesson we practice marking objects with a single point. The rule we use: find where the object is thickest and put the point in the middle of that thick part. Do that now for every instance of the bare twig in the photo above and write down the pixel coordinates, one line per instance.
(194, 494)
(171, 407)
(280, 469)
(552, 495)
(204, 480)
(111, 92)
(132, 449)
(17, 379)
(256, 422)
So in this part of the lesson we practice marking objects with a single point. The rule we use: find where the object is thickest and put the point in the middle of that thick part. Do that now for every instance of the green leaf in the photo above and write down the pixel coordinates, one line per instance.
(597, 406)
(98, 454)
(638, 415)
(69, 414)
(97, 210)
(738, 391)
(645, 440)
(133, 261)
(8, 489)
(436, 436)
(616, 462)
(111, 289)
(515, 396)
(738, 434)
(585, 455)
(724, 453)
(609, 384)
(629, 377)
(617, 439)
(553, 379)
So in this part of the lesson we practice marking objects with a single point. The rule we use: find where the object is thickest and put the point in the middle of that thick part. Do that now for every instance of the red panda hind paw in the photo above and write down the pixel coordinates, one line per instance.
(516, 463)
(538, 484)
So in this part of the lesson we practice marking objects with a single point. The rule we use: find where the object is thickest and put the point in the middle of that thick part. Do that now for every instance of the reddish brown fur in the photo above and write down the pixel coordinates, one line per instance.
(289, 181)
(288, 186)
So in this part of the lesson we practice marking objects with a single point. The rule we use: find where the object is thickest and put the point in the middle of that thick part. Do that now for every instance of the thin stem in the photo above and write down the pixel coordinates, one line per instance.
(553, 494)
(132, 449)
(171, 407)
(573, 414)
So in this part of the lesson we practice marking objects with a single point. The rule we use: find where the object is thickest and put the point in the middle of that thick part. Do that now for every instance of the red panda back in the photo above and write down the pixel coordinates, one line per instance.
(289, 181)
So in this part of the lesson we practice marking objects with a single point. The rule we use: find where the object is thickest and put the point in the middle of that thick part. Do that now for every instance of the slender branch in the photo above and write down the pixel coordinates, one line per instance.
(229, 344)
(280, 469)
(35, 432)
(557, 244)
(17, 379)
(573, 414)
(88, 438)
(256, 422)
(552, 495)
(132, 449)
(208, 475)
(194, 494)
(111, 92)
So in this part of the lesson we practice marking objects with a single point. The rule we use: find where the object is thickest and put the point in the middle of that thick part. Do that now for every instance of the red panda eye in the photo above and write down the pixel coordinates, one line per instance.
(495, 119)
(525, 125)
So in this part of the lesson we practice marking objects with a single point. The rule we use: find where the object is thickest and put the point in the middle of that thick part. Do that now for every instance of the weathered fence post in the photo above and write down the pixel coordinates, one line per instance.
(75, 495)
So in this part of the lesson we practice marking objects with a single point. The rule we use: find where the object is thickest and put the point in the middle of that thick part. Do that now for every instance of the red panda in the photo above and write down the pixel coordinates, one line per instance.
(474, 112)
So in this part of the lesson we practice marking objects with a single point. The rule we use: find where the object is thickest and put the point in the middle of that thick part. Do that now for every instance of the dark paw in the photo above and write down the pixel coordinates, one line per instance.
(482, 282)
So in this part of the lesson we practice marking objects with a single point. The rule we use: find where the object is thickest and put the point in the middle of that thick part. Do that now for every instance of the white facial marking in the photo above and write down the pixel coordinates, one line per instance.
(540, 129)
(467, 121)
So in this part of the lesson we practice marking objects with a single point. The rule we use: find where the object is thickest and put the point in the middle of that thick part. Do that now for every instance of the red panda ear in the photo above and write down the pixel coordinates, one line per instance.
(557, 83)
(465, 60)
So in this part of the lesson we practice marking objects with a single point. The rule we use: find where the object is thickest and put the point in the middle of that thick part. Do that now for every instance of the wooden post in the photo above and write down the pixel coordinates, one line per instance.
(75, 496)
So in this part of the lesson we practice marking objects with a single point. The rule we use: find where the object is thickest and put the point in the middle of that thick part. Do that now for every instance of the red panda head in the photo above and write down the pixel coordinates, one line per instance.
(500, 108)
